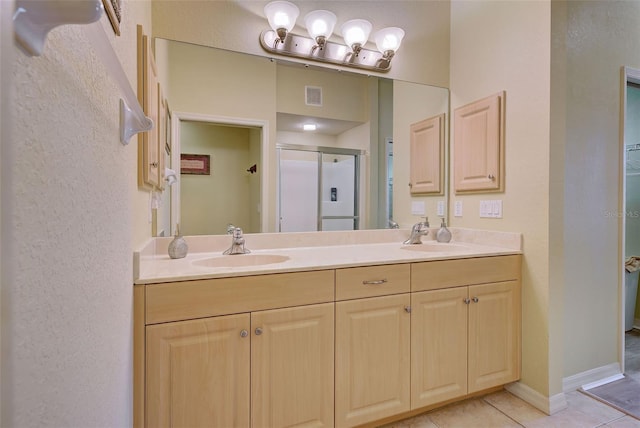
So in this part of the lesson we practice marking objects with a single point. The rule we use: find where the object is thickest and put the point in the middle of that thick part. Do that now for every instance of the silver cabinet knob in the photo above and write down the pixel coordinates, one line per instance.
(491, 177)
(154, 164)
(258, 331)
(475, 300)
(407, 309)
(466, 300)
(244, 333)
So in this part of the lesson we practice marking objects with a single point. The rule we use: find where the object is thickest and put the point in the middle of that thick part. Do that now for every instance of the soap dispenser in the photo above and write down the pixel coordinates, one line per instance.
(443, 234)
(178, 247)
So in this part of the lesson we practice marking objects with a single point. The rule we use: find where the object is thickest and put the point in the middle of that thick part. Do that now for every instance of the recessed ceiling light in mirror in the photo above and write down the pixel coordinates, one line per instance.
(309, 127)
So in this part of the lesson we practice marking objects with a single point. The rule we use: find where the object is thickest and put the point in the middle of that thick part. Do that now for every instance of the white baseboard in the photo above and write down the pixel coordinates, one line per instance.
(548, 405)
(593, 376)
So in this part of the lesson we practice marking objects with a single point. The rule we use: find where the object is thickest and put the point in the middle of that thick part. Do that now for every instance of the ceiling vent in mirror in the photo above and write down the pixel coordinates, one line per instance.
(313, 96)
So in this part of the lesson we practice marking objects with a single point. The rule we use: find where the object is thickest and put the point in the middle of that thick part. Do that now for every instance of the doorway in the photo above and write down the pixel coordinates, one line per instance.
(236, 183)
(630, 355)
(318, 188)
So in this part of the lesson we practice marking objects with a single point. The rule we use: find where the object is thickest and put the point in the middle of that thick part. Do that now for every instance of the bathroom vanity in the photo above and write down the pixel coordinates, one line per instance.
(345, 332)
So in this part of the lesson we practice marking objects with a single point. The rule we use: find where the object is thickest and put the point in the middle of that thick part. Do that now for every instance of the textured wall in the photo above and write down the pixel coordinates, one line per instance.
(6, 149)
(601, 37)
(499, 46)
(73, 195)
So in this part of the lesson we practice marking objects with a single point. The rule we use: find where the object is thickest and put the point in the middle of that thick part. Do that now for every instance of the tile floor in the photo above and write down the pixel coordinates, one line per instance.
(503, 409)
(632, 354)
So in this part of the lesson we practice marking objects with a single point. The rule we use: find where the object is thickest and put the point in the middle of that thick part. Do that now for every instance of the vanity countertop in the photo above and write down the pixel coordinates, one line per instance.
(295, 252)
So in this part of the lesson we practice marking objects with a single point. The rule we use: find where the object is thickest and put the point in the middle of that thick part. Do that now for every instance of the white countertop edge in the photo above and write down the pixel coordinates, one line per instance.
(154, 269)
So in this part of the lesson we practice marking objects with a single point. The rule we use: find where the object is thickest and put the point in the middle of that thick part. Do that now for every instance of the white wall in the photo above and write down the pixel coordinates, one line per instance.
(601, 37)
(6, 156)
(499, 46)
(236, 25)
(73, 193)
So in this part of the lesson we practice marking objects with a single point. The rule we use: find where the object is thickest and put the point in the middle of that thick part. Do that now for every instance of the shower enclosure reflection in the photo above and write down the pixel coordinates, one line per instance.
(318, 188)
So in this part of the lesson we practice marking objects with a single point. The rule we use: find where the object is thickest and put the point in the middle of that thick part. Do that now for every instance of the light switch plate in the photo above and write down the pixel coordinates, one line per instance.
(491, 208)
(440, 208)
(457, 209)
(418, 208)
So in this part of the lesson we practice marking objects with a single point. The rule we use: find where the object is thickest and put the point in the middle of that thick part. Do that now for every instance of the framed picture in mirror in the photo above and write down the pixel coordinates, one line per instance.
(194, 164)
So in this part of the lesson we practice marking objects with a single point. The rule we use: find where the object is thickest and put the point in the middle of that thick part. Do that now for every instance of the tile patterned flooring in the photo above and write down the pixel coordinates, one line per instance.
(502, 409)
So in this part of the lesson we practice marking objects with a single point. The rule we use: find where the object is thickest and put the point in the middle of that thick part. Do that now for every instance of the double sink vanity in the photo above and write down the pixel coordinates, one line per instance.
(322, 328)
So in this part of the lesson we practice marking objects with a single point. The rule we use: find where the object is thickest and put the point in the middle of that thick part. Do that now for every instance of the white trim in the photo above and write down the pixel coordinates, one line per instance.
(548, 405)
(177, 116)
(601, 382)
(599, 374)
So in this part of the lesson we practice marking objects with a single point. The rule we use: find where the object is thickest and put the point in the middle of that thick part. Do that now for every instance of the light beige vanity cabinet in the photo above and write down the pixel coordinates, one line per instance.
(351, 346)
(262, 367)
(372, 343)
(198, 373)
(465, 328)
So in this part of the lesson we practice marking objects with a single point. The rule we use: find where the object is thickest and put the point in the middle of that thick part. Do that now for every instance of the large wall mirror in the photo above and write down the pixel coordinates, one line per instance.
(245, 115)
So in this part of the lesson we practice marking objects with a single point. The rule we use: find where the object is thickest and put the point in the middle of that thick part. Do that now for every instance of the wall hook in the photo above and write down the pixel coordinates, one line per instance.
(253, 169)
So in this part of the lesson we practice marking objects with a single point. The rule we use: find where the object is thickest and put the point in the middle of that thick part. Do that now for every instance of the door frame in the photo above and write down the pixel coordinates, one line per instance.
(178, 116)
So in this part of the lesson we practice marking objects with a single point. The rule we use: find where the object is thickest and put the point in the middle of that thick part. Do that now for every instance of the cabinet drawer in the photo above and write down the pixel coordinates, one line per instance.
(212, 297)
(371, 281)
(454, 273)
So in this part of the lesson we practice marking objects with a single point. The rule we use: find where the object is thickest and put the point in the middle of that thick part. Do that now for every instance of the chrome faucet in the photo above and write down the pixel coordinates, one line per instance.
(393, 224)
(418, 231)
(237, 243)
(230, 229)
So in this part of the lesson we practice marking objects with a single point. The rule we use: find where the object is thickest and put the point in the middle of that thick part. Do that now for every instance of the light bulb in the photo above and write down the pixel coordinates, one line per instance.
(320, 23)
(356, 33)
(282, 17)
(388, 40)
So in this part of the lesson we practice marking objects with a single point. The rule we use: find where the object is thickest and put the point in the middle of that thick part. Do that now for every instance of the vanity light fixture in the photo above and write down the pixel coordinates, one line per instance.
(280, 40)
(282, 17)
(355, 33)
(320, 25)
(309, 127)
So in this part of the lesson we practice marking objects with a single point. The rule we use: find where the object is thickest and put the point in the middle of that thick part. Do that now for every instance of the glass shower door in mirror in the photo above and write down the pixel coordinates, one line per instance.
(298, 190)
(339, 192)
(317, 189)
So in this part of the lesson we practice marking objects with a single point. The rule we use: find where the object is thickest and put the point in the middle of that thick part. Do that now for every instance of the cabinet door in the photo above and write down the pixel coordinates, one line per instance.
(372, 359)
(494, 334)
(198, 373)
(292, 367)
(438, 346)
(427, 155)
(478, 145)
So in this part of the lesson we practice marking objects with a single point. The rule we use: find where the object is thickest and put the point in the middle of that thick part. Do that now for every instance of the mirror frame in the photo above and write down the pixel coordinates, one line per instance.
(177, 117)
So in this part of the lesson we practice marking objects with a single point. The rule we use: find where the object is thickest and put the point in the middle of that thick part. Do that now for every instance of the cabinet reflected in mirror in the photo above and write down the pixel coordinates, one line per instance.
(351, 111)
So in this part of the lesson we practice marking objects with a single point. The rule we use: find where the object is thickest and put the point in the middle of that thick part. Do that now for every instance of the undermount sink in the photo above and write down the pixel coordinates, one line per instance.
(436, 247)
(241, 260)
